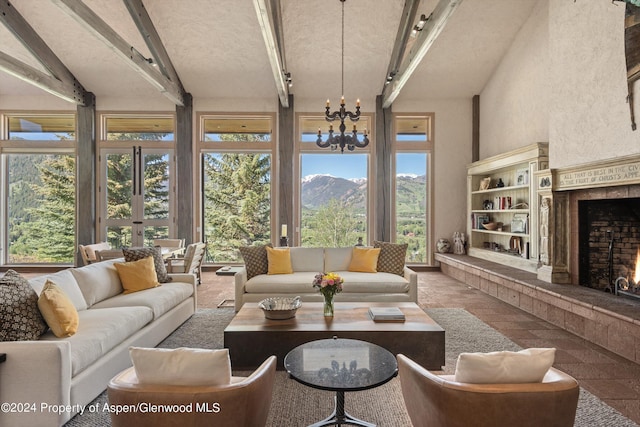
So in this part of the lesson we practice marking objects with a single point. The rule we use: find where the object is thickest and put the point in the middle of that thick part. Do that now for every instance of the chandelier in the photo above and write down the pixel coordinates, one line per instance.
(342, 140)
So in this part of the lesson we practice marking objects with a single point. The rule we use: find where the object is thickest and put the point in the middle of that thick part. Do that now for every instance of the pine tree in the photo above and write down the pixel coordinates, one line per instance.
(49, 235)
(237, 202)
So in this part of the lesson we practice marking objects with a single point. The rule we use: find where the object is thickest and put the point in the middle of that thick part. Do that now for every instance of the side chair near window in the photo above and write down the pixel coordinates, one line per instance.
(172, 244)
(106, 254)
(441, 401)
(191, 262)
(88, 252)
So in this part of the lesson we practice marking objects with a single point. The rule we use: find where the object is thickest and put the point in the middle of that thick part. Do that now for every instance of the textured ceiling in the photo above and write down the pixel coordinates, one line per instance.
(218, 50)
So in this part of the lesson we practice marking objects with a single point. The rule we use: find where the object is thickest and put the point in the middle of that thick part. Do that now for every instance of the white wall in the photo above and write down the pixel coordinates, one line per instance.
(589, 115)
(514, 104)
(563, 80)
(452, 154)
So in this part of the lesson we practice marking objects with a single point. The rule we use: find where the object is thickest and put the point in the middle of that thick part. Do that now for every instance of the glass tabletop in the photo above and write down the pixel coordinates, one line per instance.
(339, 364)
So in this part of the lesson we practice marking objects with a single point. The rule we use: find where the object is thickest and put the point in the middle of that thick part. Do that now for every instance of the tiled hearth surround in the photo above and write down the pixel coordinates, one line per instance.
(606, 320)
(553, 294)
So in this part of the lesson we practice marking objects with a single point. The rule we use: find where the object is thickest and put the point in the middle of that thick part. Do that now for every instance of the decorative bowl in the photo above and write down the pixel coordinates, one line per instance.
(280, 308)
(491, 225)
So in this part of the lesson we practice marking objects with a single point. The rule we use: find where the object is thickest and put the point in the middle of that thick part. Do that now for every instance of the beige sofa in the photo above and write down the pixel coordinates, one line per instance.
(307, 262)
(49, 380)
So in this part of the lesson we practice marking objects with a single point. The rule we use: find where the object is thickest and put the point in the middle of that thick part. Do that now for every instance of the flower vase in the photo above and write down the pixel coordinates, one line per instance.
(328, 306)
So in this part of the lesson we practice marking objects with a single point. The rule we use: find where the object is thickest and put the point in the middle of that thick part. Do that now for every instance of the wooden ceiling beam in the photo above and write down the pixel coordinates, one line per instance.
(424, 40)
(96, 26)
(61, 82)
(270, 21)
(151, 37)
(402, 37)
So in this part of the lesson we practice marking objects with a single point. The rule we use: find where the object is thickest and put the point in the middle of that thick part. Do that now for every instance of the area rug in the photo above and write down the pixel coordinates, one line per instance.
(296, 405)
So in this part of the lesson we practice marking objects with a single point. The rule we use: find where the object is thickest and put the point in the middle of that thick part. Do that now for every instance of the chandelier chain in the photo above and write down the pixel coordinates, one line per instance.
(342, 88)
(342, 140)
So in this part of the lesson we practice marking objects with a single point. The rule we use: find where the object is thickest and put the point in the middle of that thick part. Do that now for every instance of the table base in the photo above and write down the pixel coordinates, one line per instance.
(340, 417)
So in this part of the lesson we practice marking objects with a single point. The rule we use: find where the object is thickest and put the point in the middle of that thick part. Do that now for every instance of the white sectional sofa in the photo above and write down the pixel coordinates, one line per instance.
(48, 380)
(307, 262)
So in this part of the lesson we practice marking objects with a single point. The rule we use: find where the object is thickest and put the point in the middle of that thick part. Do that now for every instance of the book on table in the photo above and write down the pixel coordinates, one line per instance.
(386, 314)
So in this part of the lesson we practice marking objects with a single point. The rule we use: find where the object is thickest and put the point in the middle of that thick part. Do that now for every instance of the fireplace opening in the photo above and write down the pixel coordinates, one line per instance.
(609, 242)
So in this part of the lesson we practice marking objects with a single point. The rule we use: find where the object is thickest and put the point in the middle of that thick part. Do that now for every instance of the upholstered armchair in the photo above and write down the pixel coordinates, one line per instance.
(439, 401)
(245, 402)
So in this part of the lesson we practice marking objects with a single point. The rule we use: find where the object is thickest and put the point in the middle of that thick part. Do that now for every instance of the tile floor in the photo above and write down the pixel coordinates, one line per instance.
(612, 378)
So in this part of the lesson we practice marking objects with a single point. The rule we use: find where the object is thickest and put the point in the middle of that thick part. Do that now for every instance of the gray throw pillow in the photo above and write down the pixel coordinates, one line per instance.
(255, 259)
(392, 257)
(135, 254)
(20, 318)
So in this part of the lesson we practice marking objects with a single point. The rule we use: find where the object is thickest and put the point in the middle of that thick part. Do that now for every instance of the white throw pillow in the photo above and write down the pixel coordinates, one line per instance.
(504, 367)
(181, 366)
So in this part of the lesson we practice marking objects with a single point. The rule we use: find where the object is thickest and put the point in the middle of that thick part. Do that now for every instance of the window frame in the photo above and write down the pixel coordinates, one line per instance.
(301, 148)
(7, 146)
(205, 147)
(415, 147)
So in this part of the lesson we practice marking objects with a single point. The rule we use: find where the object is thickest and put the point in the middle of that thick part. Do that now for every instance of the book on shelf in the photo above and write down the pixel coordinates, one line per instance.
(478, 219)
(386, 314)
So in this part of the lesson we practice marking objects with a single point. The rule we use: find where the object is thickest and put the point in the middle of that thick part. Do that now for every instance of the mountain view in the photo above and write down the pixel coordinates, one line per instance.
(317, 190)
(347, 197)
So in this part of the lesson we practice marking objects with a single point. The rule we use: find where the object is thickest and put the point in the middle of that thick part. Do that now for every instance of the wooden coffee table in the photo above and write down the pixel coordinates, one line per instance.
(251, 338)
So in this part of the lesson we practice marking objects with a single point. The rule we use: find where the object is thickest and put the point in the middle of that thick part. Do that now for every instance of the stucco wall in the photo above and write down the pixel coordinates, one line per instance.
(589, 115)
(452, 154)
(563, 80)
(514, 104)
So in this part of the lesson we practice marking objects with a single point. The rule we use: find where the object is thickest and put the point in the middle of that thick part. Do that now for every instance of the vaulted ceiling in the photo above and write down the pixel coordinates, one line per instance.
(218, 49)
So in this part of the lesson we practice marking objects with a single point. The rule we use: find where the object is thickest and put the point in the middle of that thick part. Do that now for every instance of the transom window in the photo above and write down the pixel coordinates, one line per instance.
(27, 127)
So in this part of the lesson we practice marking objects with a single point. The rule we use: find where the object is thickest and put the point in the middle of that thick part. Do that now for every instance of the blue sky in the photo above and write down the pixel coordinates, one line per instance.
(355, 165)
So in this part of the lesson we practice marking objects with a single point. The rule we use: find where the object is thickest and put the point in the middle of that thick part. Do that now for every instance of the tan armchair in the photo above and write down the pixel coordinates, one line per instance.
(245, 402)
(438, 401)
(192, 261)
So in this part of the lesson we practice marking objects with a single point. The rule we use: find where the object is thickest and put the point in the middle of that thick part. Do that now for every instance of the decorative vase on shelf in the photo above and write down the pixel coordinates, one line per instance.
(328, 306)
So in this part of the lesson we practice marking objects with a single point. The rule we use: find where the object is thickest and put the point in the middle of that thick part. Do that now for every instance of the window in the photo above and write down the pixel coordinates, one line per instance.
(137, 178)
(237, 188)
(412, 186)
(25, 127)
(39, 185)
(137, 128)
(335, 197)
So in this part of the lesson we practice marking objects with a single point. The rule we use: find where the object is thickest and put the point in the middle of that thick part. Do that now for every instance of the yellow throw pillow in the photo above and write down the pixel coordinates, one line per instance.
(364, 260)
(58, 310)
(279, 260)
(137, 275)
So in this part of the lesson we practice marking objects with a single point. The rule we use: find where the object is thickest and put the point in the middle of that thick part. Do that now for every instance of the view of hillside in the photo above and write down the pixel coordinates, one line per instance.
(345, 200)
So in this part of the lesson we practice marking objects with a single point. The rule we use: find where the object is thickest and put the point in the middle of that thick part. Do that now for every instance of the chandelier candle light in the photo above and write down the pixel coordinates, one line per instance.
(342, 140)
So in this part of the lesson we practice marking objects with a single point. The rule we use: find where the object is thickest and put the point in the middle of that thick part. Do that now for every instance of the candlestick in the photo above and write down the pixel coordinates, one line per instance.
(327, 103)
(358, 102)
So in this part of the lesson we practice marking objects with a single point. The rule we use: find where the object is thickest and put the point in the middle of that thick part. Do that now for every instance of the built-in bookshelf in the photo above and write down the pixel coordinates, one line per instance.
(503, 207)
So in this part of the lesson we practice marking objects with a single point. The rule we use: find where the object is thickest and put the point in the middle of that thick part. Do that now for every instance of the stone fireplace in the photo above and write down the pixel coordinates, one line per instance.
(593, 221)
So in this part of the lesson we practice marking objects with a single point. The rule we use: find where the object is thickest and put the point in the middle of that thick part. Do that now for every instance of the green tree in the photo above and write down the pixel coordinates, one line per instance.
(237, 206)
(49, 235)
(333, 225)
